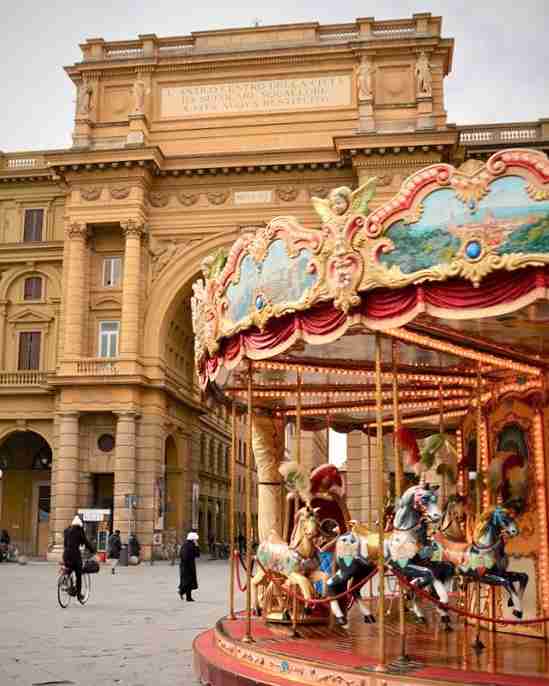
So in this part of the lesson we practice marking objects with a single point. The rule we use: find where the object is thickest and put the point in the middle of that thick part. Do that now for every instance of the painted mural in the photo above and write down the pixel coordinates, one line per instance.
(278, 278)
(506, 221)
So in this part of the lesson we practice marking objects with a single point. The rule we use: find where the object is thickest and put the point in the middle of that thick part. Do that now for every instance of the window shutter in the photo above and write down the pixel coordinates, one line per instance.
(34, 220)
(29, 350)
(33, 288)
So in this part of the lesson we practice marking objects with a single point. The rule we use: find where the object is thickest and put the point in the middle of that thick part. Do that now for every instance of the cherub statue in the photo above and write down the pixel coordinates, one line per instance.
(342, 203)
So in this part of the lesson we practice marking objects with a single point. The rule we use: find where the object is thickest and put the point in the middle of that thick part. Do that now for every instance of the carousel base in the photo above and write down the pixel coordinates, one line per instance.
(337, 657)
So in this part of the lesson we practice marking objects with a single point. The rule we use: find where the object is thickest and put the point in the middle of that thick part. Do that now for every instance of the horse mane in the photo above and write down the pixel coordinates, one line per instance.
(485, 517)
(408, 495)
(297, 536)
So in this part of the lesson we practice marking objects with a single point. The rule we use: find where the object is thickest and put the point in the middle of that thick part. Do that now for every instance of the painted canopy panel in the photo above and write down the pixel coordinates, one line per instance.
(506, 221)
(444, 223)
(274, 280)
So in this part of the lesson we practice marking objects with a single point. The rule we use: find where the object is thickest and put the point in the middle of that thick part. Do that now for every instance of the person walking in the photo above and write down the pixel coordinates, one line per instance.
(187, 566)
(4, 545)
(114, 547)
(74, 537)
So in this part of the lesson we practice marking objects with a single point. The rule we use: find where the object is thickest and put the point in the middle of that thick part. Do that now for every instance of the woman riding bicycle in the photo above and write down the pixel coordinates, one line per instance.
(75, 537)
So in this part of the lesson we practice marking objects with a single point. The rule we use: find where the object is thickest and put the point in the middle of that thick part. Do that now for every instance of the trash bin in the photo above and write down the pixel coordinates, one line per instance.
(123, 562)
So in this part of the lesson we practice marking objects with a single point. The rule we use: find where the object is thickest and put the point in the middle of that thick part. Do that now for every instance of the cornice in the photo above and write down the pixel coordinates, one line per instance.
(25, 252)
(380, 143)
(85, 160)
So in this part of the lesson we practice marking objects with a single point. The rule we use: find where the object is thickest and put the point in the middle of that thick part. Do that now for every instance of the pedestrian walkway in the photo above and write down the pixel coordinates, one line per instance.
(135, 631)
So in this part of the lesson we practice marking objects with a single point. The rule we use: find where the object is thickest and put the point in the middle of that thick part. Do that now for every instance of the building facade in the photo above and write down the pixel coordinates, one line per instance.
(179, 146)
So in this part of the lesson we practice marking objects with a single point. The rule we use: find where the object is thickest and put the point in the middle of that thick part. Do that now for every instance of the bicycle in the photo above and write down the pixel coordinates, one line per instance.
(66, 587)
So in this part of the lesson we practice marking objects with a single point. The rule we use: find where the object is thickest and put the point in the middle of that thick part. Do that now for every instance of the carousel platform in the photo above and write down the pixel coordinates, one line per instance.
(348, 658)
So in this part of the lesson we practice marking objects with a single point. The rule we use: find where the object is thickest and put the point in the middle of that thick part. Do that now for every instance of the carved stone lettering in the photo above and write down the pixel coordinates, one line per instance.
(256, 96)
(251, 197)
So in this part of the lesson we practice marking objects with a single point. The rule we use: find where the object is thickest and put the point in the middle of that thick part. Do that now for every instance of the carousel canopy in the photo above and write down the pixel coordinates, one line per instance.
(453, 269)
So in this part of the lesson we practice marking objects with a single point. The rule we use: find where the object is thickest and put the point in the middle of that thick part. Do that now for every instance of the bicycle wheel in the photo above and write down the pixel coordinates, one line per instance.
(86, 588)
(63, 590)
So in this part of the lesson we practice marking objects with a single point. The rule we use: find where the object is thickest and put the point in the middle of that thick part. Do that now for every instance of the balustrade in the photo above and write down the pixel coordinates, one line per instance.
(494, 134)
(94, 366)
(30, 377)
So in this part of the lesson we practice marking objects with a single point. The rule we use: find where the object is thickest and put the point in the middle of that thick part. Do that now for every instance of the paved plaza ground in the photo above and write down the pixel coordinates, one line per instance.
(135, 631)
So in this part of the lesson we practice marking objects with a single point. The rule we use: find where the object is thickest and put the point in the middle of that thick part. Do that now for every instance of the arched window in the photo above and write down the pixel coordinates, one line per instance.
(33, 288)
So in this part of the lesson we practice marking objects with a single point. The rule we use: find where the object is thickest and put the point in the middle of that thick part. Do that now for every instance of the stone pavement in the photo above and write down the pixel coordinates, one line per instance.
(134, 631)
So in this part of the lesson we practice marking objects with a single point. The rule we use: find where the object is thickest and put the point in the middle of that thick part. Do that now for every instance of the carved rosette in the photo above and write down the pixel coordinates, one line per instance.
(90, 194)
(188, 199)
(319, 192)
(119, 192)
(217, 197)
(159, 199)
(287, 193)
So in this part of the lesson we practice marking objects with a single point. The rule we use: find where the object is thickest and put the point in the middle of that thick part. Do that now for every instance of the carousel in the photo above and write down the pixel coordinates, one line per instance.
(423, 324)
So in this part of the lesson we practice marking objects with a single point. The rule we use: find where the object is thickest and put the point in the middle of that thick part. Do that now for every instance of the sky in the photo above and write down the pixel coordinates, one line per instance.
(500, 71)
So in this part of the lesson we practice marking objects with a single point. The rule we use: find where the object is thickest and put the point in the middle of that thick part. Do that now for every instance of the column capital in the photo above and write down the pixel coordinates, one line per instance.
(78, 230)
(127, 414)
(68, 414)
(132, 228)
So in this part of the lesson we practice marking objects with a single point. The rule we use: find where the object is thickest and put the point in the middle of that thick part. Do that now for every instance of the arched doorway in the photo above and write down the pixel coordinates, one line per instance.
(25, 460)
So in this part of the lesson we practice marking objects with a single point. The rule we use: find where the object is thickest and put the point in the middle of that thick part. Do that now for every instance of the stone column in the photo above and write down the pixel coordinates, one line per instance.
(129, 338)
(268, 449)
(76, 267)
(67, 474)
(124, 471)
(3, 311)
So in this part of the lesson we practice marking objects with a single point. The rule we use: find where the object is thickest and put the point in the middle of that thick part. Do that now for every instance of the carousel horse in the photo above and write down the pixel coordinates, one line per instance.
(452, 539)
(356, 552)
(452, 525)
(409, 550)
(484, 560)
(293, 562)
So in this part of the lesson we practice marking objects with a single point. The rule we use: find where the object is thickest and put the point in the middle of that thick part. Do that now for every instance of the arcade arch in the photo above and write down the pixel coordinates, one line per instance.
(172, 287)
(25, 490)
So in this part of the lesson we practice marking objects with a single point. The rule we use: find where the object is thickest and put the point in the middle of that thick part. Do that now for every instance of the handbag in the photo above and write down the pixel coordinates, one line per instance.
(90, 567)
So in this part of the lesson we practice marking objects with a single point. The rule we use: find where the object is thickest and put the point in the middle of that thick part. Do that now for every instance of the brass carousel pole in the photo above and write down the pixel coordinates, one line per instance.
(293, 600)
(478, 645)
(398, 490)
(441, 428)
(231, 510)
(248, 636)
(298, 420)
(371, 582)
(380, 500)
(328, 429)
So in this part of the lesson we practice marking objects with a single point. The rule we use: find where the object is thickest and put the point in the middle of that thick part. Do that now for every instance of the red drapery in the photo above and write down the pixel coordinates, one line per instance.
(502, 288)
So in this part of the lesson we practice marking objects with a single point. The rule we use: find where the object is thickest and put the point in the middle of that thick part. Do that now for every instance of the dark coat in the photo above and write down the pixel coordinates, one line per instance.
(74, 538)
(187, 566)
(114, 546)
